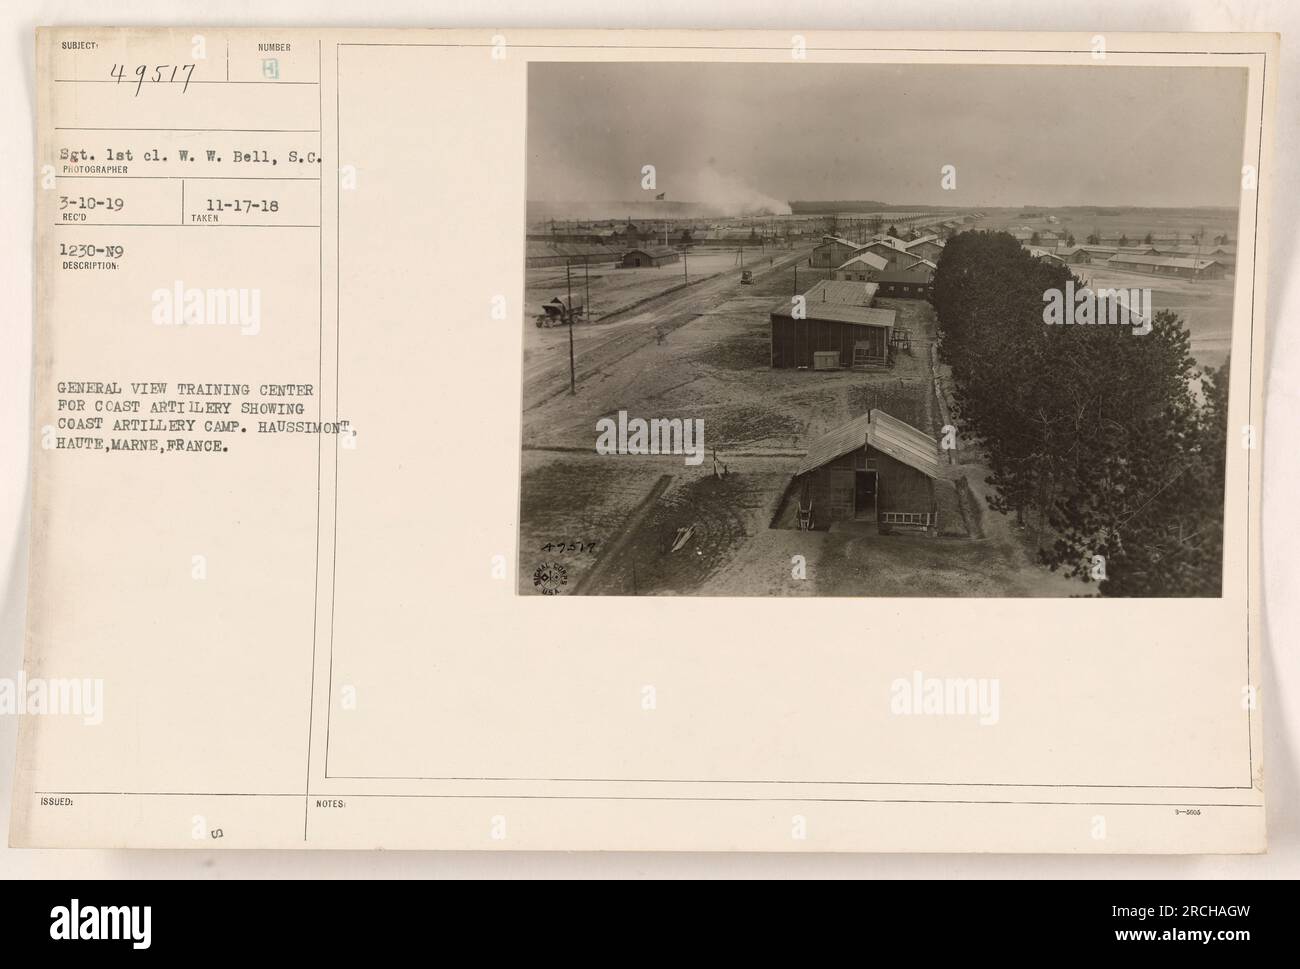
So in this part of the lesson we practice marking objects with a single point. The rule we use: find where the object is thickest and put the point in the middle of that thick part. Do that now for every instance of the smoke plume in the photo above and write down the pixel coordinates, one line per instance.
(727, 195)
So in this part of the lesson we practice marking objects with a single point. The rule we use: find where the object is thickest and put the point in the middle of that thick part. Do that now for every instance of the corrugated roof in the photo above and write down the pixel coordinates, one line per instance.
(1203, 251)
(1038, 252)
(866, 258)
(842, 291)
(903, 441)
(897, 255)
(839, 313)
(1112, 250)
(845, 438)
(915, 273)
(1172, 261)
(886, 434)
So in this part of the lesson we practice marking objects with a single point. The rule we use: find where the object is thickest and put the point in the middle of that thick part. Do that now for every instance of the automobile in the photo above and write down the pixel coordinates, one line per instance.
(557, 313)
(747, 277)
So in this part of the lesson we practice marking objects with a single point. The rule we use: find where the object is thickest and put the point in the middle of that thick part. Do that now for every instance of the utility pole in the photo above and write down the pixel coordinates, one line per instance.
(686, 277)
(586, 281)
(573, 374)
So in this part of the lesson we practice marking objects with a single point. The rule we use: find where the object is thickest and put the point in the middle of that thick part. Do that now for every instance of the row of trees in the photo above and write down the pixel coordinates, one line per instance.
(1113, 443)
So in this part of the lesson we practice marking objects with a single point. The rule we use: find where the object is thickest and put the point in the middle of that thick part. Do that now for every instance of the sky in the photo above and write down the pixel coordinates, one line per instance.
(1052, 136)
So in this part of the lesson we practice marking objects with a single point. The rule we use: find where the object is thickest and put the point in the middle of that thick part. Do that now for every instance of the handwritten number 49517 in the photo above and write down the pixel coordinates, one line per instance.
(161, 74)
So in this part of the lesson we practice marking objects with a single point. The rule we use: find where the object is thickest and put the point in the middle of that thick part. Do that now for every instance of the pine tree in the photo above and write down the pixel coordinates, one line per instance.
(1094, 433)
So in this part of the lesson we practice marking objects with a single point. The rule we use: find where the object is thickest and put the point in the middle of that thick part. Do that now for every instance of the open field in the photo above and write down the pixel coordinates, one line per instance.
(1204, 304)
(718, 367)
(1134, 222)
(613, 289)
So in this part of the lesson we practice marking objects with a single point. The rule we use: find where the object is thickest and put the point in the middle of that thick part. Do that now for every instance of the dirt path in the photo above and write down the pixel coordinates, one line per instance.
(591, 580)
(1001, 531)
(601, 345)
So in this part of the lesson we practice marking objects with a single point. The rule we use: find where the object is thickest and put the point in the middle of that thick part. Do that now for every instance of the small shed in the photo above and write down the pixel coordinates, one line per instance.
(875, 468)
(859, 335)
(650, 256)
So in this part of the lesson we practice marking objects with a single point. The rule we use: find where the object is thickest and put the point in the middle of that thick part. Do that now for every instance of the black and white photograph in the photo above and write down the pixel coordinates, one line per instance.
(879, 330)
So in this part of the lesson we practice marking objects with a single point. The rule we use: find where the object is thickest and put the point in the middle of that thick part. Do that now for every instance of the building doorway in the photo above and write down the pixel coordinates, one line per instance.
(864, 495)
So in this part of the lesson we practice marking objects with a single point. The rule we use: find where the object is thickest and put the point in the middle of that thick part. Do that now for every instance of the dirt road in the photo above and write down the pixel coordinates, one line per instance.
(603, 344)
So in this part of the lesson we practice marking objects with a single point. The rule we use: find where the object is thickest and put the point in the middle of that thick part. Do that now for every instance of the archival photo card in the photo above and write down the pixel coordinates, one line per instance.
(647, 440)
